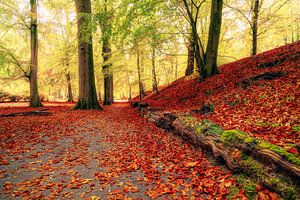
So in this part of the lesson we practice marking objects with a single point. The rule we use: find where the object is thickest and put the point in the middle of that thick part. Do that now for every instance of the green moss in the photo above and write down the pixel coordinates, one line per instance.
(212, 128)
(291, 98)
(267, 124)
(286, 190)
(234, 190)
(281, 151)
(198, 127)
(263, 96)
(274, 181)
(233, 136)
(250, 140)
(248, 184)
(253, 167)
(296, 128)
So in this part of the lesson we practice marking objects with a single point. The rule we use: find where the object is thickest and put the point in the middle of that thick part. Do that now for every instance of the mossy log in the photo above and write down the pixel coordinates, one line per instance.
(269, 164)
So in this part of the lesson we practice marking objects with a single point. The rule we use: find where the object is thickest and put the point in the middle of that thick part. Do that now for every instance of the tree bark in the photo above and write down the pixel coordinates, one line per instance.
(198, 47)
(211, 54)
(106, 54)
(154, 80)
(108, 76)
(99, 90)
(34, 94)
(254, 26)
(176, 67)
(191, 58)
(141, 86)
(129, 92)
(70, 95)
(87, 90)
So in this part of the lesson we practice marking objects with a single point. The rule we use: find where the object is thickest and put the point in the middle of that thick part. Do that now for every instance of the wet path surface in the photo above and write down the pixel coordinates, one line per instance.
(110, 154)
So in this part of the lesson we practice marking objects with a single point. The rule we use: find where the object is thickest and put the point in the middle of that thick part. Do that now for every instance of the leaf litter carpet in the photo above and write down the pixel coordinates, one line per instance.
(110, 154)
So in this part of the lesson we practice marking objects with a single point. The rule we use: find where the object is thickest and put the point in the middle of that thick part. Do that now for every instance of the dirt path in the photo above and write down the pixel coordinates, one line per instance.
(110, 154)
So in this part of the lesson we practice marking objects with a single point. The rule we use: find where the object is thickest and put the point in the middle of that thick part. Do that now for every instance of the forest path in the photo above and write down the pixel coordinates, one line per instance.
(110, 154)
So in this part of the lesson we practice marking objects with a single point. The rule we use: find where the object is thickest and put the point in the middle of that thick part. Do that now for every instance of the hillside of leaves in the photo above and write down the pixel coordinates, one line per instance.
(258, 95)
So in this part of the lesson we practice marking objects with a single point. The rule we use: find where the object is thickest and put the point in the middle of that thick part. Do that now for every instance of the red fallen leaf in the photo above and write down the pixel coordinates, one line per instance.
(114, 192)
(134, 189)
(293, 150)
(208, 183)
(75, 186)
(168, 191)
(263, 196)
(4, 162)
(8, 185)
(191, 164)
(126, 189)
(152, 194)
(273, 196)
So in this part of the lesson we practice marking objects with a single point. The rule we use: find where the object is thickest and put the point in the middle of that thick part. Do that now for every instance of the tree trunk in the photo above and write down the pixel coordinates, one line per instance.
(108, 76)
(111, 79)
(87, 89)
(211, 55)
(255, 27)
(176, 67)
(154, 80)
(34, 94)
(70, 95)
(129, 92)
(106, 54)
(141, 86)
(191, 58)
(99, 90)
(198, 47)
(198, 55)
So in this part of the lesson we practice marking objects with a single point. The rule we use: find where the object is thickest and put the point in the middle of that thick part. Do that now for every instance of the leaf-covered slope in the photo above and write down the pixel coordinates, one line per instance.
(258, 94)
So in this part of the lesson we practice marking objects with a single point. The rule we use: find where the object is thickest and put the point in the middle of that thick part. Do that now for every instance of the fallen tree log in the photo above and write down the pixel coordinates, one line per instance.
(270, 165)
(41, 112)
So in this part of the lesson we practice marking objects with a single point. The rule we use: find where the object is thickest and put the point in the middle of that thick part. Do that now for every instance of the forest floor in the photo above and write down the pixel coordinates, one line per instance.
(258, 95)
(110, 154)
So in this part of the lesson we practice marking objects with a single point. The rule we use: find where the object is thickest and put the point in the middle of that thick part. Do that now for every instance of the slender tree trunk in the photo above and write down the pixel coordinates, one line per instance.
(141, 86)
(106, 54)
(129, 92)
(111, 79)
(255, 27)
(70, 95)
(99, 90)
(154, 80)
(198, 56)
(87, 89)
(198, 47)
(213, 38)
(129, 84)
(108, 76)
(34, 94)
(99, 96)
(191, 58)
(176, 67)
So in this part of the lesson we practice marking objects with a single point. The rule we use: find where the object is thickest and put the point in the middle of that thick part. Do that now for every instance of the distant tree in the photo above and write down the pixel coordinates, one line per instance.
(212, 47)
(154, 79)
(142, 92)
(258, 16)
(206, 61)
(104, 16)
(191, 57)
(255, 10)
(34, 94)
(17, 68)
(87, 90)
